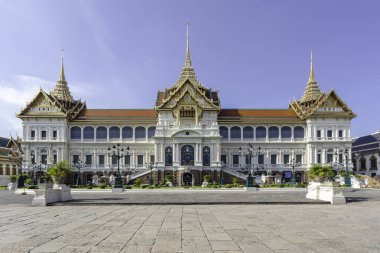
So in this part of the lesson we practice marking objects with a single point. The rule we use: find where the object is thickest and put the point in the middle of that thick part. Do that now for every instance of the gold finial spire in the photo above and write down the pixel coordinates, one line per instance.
(312, 91)
(61, 90)
(187, 59)
(311, 76)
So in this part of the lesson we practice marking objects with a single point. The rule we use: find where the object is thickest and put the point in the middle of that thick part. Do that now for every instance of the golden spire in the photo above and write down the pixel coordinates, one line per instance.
(311, 77)
(312, 91)
(62, 72)
(187, 59)
(61, 90)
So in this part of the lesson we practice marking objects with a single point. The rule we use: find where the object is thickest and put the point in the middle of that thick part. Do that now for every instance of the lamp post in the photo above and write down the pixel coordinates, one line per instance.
(221, 166)
(117, 152)
(347, 178)
(294, 164)
(33, 163)
(20, 155)
(78, 165)
(249, 180)
(150, 166)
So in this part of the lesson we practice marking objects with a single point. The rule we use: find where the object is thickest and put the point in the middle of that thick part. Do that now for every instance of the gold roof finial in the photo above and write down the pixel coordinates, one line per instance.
(187, 59)
(312, 91)
(61, 90)
(311, 76)
(62, 72)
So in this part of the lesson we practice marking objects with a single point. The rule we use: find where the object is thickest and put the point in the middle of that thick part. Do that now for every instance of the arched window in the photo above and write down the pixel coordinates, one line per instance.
(187, 155)
(75, 133)
(140, 132)
(88, 133)
(206, 156)
(168, 156)
(151, 132)
(299, 132)
(354, 164)
(286, 132)
(261, 132)
(114, 132)
(223, 132)
(127, 132)
(101, 133)
(363, 164)
(273, 132)
(235, 132)
(248, 132)
(373, 161)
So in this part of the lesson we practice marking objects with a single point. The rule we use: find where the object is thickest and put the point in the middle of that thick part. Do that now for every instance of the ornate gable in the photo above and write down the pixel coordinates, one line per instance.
(187, 96)
(43, 105)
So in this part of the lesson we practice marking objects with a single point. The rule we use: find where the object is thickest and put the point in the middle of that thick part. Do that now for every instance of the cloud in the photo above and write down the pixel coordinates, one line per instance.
(14, 94)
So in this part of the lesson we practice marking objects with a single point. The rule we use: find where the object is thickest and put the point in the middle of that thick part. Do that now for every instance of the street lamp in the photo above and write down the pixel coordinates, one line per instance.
(150, 166)
(117, 152)
(20, 155)
(249, 180)
(294, 164)
(221, 166)
(78, 165)
(347, 178)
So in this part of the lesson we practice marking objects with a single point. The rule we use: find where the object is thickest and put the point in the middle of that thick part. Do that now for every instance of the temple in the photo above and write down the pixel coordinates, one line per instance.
(187, 134)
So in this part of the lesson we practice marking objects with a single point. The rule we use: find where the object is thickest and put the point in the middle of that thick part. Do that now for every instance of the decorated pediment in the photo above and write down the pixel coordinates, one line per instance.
(42, 104)
(327, 105)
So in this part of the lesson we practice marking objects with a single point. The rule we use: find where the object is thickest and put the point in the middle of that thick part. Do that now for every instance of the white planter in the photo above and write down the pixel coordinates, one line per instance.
(326, 192)
(48, 195)
(12, 186)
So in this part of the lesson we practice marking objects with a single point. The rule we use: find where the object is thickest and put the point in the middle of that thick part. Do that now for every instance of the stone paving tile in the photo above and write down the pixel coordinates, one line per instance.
(201, 228)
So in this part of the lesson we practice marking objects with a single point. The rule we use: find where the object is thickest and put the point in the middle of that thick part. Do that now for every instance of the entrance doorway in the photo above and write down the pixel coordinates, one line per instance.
(187, 179)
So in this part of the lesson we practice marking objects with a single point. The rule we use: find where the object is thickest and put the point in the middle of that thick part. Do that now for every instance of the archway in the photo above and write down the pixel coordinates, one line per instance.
(187, 179)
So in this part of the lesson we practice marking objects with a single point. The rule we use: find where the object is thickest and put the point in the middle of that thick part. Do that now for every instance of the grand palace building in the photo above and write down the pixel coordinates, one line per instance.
(187, 134)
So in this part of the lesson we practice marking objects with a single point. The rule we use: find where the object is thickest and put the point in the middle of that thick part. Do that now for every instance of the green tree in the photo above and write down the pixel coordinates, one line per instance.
(319, 173)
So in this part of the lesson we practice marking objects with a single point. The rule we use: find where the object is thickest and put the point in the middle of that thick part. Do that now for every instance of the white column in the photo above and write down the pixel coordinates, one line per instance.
(196, 152)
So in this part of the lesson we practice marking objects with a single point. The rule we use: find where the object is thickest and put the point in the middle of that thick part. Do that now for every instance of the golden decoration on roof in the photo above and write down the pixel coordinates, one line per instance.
(61, 90)
(312, 91)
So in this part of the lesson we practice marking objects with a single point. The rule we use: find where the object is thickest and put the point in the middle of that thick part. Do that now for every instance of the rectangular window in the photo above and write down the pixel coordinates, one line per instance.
(329, 133)
(340, 133)
(43, 134)
(223, 159)
(319, 160)
(88, 159)
(319, 134)
(140, 160)
(101, 160)
(299, 159)
(235, 159)
(152, 158)
(273, 159)
(44, 159)
(261, 159)
(32, 134)
(286, 159)
(54, 134)
(75, 159)
(329, 158)
(340, 158)
(55, 158)
(127, 160)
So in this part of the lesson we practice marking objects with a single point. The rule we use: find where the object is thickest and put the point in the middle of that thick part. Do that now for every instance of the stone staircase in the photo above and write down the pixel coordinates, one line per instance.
(235, 173)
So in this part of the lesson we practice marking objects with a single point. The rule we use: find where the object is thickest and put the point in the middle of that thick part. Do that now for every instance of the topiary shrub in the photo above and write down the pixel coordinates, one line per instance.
(13, 178)
(138, 182)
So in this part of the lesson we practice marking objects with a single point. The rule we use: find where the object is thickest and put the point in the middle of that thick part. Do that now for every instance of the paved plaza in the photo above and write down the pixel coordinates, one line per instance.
(354, 227)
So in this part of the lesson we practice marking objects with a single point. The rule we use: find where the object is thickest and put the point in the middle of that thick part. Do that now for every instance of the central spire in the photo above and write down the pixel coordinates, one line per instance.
(312, 91)
(187, 59)
(61, 90)
(311, 76)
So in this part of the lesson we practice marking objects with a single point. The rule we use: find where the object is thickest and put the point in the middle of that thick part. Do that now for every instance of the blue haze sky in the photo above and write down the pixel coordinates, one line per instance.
(257, 53)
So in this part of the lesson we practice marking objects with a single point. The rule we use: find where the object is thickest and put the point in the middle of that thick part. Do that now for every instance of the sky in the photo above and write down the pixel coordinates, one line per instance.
(117, 54)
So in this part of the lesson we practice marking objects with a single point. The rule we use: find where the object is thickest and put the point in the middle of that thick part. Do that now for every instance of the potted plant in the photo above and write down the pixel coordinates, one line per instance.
(12, 185)
(321, 174)
(59, 171)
